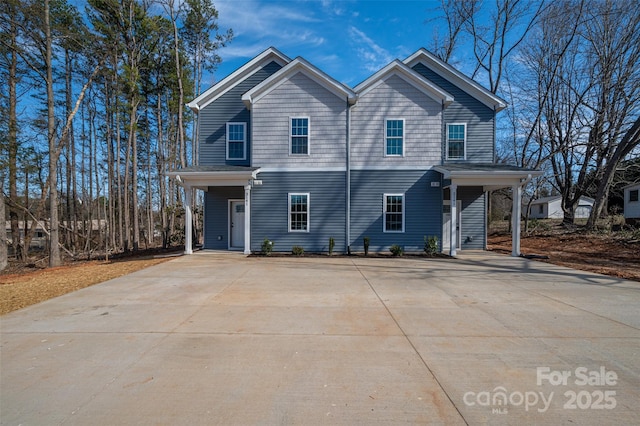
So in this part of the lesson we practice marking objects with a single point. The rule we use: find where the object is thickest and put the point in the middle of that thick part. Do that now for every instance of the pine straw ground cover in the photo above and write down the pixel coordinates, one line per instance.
(610, 253)
(24, 288)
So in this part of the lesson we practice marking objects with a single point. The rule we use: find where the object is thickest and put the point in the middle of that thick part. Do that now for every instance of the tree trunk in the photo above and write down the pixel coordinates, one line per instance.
(134, 176)
(54, 250)
(630, 140)
(3, 235)
(13, 139)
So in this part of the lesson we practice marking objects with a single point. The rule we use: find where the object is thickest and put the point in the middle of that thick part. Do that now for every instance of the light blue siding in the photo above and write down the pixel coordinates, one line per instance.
(228, 108)
(327, 206)
(423, 207)
(466, 109)
(216, 215)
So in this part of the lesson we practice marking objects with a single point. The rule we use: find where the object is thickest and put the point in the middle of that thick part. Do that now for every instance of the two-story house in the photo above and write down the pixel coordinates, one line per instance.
(288, 153)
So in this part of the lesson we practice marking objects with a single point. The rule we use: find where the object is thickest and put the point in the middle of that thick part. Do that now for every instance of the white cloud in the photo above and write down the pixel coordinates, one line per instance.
(372, 55)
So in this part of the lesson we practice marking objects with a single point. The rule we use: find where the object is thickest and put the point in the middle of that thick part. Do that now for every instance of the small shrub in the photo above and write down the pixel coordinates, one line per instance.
(396, 250)
(366, 245)
(431, 245)
(297, 250)
(332, 244)
(267, 247)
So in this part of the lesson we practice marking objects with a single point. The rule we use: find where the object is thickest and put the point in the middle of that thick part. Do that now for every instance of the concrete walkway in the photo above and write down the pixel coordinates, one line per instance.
(219, 338)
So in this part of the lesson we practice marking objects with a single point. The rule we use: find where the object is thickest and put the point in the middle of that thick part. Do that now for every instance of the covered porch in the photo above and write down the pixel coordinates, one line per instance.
(490, 177)
(205, 177)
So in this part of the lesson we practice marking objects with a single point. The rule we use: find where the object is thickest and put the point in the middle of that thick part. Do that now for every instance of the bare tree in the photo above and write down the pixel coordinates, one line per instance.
(613, 36)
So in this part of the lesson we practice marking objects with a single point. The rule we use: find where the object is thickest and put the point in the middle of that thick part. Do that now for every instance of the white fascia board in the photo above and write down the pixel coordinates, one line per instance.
(298, 65)
(448, 72)
(233, 79)
(480, 175)
(191, 178)
(410, 76)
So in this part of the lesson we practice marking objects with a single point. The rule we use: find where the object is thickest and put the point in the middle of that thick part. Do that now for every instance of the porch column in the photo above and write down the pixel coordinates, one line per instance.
(247, 219)
(188, 221)
(515, 219)
(453, 190)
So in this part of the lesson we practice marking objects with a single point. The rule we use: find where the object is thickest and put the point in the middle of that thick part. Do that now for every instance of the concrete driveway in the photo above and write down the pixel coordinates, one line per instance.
(219, 338)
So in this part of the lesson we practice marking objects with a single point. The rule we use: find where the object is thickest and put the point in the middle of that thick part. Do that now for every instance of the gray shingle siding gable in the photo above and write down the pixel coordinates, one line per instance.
(228, 108)
(300, 96)
(392, 99)
(466, 109)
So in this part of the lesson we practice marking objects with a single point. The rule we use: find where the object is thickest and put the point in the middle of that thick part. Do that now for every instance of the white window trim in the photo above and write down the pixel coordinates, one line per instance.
(404, 137)
(634, 190)
(244, 141)
(464, 156)
(291, 118)
(384, 212)
(289, 211)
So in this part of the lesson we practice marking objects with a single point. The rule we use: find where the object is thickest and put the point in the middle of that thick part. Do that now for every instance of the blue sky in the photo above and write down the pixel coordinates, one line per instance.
(348, 39)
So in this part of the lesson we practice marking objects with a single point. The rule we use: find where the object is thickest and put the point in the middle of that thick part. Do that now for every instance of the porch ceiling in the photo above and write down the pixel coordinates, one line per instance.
(202, 177)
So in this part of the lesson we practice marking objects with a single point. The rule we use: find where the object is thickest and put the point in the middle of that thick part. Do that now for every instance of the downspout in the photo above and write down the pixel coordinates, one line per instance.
(348, 178)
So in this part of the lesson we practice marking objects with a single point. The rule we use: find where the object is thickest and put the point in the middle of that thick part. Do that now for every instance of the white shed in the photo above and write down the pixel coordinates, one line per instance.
(631, 202)
(551, 208)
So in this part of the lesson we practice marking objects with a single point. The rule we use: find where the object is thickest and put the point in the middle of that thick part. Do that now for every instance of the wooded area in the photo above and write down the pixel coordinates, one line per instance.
(94, 116)
(93, 112)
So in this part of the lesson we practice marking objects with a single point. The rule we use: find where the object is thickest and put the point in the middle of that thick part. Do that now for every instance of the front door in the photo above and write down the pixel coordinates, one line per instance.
(236, 224)
(446, 225)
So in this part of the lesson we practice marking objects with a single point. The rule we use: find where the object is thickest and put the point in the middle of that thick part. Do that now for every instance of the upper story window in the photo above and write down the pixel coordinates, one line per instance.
(299, 212)
(299, 135)
(393, 213)
(633, 195)
(236, 141)
(456, 141)
(394, 137)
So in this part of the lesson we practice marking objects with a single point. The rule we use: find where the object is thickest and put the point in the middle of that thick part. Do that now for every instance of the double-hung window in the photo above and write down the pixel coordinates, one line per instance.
(299, 135)
(456, 141)
(393, 212)
(236, 141)
(394, 137)
(298, 212)
(633, 195)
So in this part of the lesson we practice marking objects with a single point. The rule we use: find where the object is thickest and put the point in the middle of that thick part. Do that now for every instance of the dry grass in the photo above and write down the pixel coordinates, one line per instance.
(19, 290)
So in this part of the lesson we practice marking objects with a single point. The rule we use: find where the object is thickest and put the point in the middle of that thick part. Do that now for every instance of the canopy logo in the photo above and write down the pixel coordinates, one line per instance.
(500, 400)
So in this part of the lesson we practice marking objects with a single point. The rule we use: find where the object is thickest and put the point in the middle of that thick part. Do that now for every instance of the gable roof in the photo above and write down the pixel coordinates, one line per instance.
(552, 198)
(397, 68)
(298, 65)
(229, 82)
(447, 72)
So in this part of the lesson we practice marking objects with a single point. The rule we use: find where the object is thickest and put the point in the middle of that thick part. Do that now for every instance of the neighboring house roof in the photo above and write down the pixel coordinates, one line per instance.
(397, 68)
(456, 77)
(551, 199)
(223, 86)
(298, 65)
(631, 185)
